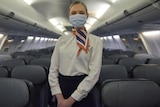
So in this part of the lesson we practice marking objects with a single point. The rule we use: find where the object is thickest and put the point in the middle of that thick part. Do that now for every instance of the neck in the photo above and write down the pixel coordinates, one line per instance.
(80, 28)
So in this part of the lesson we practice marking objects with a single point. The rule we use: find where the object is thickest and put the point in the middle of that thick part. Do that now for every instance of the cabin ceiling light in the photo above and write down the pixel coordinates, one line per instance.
(66, 33)
(91, 20)
(55, 39)
(149, 33)
(57, 24)
(42, 38)
(54, 21)
(45, 39)
(109, 37)
(135, 39)
(116, 36)
(37, 38)
(22, 41)
(103, 8)
(30, 37)
(10, 41)
(105, 38)
(101, 38)
(113, 1)
(87, 26)
(1, 35)
(123, 39)
(29, 2)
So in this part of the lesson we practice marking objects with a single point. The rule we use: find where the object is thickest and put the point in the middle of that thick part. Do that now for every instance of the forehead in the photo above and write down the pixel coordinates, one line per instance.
(77, 7)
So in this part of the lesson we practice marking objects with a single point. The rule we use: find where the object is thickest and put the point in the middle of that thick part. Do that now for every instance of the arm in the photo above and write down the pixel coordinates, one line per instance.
(94, 70)
(53, 73)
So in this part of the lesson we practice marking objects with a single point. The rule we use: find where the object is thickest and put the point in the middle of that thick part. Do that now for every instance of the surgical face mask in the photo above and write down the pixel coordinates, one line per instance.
(77, 20)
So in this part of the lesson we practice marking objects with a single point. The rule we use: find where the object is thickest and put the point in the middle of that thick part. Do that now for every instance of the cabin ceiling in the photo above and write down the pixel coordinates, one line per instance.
(33, 19)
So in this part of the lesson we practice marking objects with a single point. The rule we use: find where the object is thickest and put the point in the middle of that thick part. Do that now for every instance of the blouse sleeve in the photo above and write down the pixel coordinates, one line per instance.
(94, 70)
(53, 71)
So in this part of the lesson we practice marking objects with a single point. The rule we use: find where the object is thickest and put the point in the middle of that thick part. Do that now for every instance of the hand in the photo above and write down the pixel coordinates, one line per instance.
(60, 99)
(67, 102)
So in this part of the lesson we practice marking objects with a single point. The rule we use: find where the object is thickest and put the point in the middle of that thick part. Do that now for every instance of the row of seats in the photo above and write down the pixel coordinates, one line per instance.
(130, 93)
(115, 89)
(147, 71)
(10, 64)
(112, 87)
(129, 63)
(117, 58)
(35, 74)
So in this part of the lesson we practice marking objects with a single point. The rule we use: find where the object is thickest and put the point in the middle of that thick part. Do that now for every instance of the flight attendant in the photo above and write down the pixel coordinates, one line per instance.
(76, 62)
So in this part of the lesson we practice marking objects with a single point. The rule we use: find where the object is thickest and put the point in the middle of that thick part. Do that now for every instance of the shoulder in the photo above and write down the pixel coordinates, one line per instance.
(63, 38)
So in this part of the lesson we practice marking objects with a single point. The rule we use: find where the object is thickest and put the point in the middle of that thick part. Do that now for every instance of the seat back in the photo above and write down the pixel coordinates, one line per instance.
(129, 64)
(10, 64)
(4, 58)
(143, 56)
(37, 75)
(148, 71)
(154, 61)
(4, 71)
(15, 93)
(130, 93)
(26, 58)
(106, 61)
(41, 61)
(112, 72)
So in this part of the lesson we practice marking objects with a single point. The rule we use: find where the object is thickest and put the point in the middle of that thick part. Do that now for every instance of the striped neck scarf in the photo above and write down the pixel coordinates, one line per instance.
(82, 39)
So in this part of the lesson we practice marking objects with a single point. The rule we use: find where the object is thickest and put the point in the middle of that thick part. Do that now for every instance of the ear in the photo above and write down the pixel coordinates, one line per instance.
(87, 15)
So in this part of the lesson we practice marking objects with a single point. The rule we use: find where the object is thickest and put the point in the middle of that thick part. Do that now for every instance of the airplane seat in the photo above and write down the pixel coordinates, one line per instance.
(45, 62)
(130, 93)
(154, 61)
(37, 75)
(129, 63)
(34, 53)
(106, 61)
(143, 56)
(4, 58)
(10, 64)
(116, 57)
(26, 58)
(16, 93)
(4, 71)
(111, 71)
(128, 53)
(15, 54)
(46, 56)
(147, 71)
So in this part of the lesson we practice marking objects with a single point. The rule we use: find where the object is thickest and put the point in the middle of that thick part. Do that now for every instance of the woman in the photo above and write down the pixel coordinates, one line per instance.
(76, 62)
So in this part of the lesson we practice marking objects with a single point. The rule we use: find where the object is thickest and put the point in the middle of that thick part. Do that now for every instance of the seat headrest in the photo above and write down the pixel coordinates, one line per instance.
(130, 93)
(112, 72)
(34, 73)
(13, 93)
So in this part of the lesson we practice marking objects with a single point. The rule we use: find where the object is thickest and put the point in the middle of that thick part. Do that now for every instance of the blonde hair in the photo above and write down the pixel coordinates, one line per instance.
(78, 2)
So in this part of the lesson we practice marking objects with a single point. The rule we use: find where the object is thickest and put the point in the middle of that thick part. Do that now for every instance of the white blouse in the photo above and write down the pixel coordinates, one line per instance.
(66, 62)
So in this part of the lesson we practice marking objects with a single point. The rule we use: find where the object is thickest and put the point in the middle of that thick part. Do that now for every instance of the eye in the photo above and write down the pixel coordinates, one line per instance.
(73, 12)
(81, 12)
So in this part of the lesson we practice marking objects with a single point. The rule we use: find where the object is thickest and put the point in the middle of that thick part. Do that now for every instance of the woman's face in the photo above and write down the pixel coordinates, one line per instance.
(78, 9)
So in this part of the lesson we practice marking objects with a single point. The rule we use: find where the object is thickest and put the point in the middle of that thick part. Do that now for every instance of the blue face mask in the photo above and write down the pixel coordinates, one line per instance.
(77, 20)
